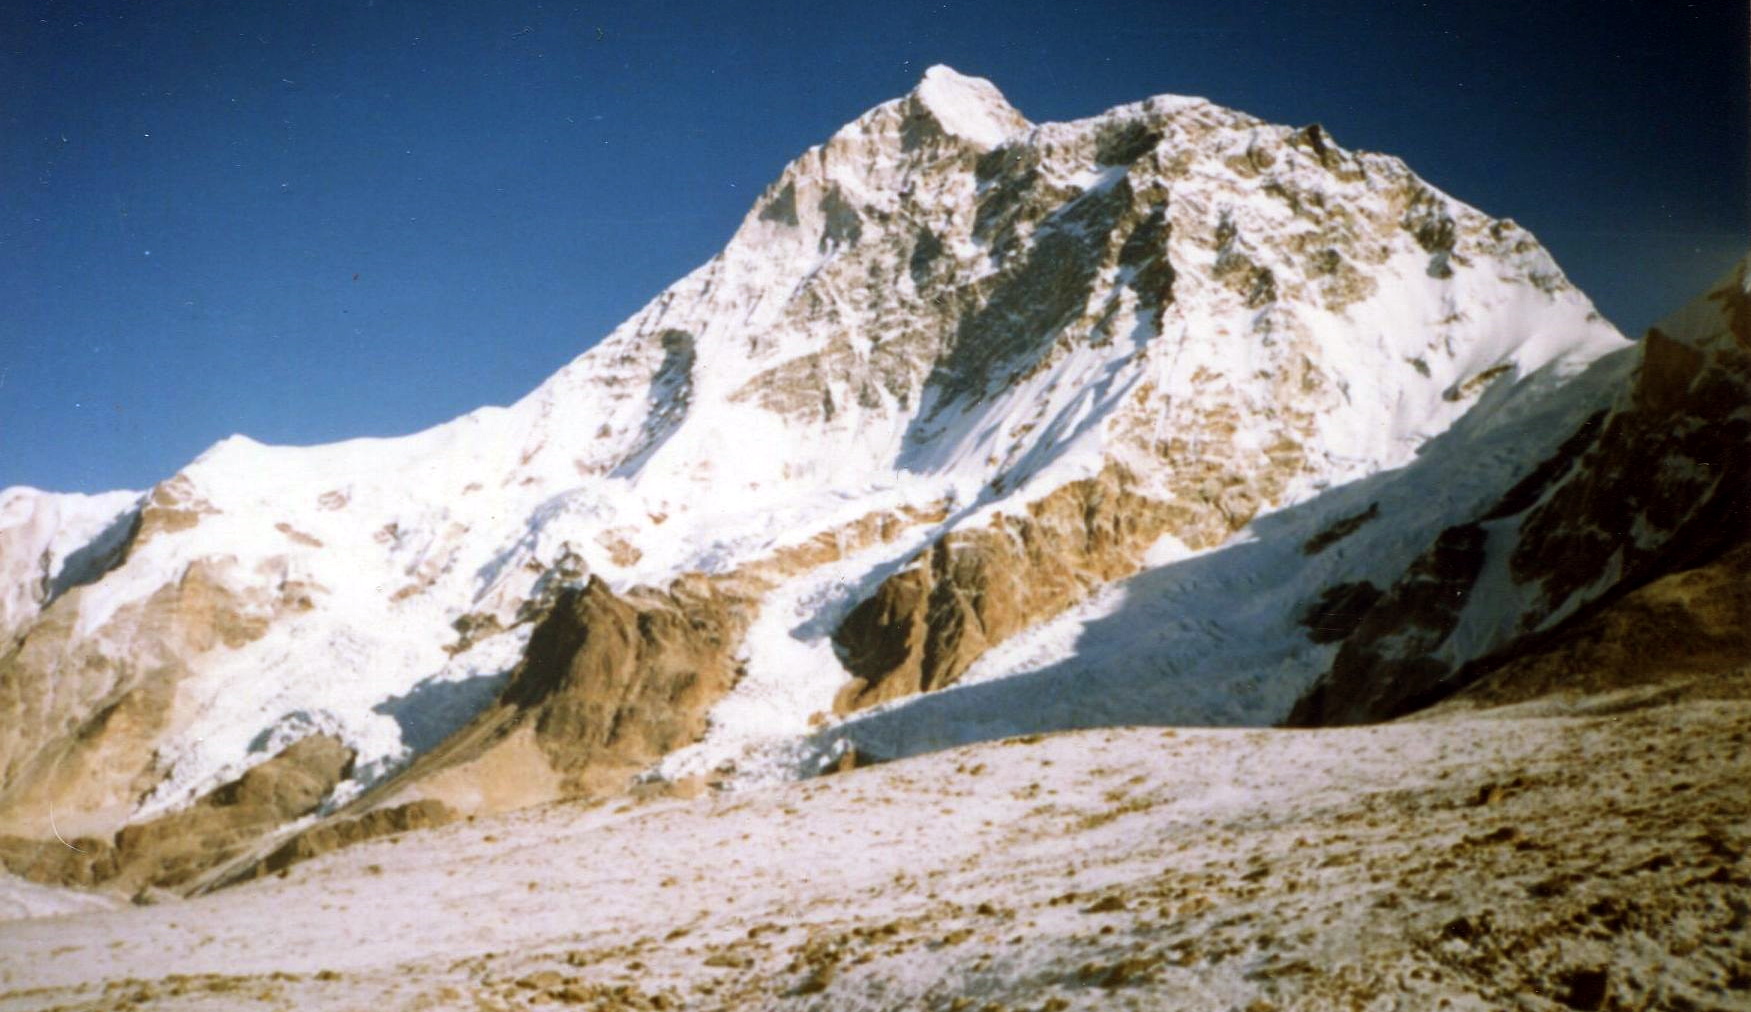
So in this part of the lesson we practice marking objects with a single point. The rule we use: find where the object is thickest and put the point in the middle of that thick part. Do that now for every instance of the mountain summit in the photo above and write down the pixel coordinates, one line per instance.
(1078, 421)
(970, 108)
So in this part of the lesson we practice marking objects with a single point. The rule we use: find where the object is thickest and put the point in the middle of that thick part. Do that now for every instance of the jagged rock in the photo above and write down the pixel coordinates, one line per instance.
(1388, 665)
(1672, 463)
(1686, 634)
(924, 626)
(608, 684)
(617, 682)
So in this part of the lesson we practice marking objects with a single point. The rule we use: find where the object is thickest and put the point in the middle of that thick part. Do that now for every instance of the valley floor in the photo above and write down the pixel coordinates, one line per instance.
(1589, 856)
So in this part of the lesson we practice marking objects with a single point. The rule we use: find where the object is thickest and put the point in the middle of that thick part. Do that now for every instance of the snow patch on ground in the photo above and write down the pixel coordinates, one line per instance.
(21, 900)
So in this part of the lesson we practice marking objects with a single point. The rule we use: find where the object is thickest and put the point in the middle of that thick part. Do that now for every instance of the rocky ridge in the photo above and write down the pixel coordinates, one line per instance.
(1622, 553)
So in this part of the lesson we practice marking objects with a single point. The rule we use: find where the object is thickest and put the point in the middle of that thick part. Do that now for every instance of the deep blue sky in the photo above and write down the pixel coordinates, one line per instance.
(187, 190)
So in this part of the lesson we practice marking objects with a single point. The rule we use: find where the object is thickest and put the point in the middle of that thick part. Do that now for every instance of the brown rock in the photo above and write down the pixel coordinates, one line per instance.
(173, 505)
(84, 712)
(81, 862)
(972, 589)
(618, 682)
(608, 684)
(175, 849)
(1585, 989)
(338, 833)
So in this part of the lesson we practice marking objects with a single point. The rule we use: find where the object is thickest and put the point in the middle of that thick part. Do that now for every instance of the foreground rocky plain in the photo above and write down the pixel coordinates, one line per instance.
(1583, 852)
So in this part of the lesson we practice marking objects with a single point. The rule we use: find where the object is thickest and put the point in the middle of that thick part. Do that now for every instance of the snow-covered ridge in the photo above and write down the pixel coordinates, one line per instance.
(51, 543)
(942, 303)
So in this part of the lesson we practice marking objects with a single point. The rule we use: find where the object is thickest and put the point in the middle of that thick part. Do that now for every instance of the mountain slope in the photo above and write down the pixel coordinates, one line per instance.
(1641, 508)
(954, 375)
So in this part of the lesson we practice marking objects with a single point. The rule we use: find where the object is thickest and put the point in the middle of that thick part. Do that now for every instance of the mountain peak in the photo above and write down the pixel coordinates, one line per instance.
(969, 107)
(1164, 320)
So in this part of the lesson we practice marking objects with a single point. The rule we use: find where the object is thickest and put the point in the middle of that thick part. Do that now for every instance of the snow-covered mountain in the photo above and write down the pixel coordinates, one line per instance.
(974, 427)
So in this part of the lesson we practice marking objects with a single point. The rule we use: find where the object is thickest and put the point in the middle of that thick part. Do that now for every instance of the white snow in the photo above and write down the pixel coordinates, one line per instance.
(969, 107)
(21, 900)
(50, 542)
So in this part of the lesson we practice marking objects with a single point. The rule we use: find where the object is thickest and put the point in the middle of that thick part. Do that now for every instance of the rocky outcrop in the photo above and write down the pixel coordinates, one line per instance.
(612, 683)
(85, 708)
(1686, 635)
(173, 505)
(1607, 542)
(926, 625)
(173, 850)
(335, 834)
(1668, 479)
(608, 684)
(1389, 661)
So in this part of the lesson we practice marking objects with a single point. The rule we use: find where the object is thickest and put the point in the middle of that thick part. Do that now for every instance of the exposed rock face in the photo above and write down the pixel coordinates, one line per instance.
(173, 505)
(1388, 664)
(974, 588)
(172, 850)
(1637, 511)
(1668, 478)
(86, 708)
(608, 684)
(337, 833)
(613, 683)
(1685, 635)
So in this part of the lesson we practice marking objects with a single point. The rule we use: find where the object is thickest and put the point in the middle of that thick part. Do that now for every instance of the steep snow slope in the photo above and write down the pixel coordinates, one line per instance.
(943, 329)
(50, 544)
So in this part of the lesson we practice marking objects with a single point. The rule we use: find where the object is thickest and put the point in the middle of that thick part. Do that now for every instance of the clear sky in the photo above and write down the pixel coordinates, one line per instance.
(315, 220)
